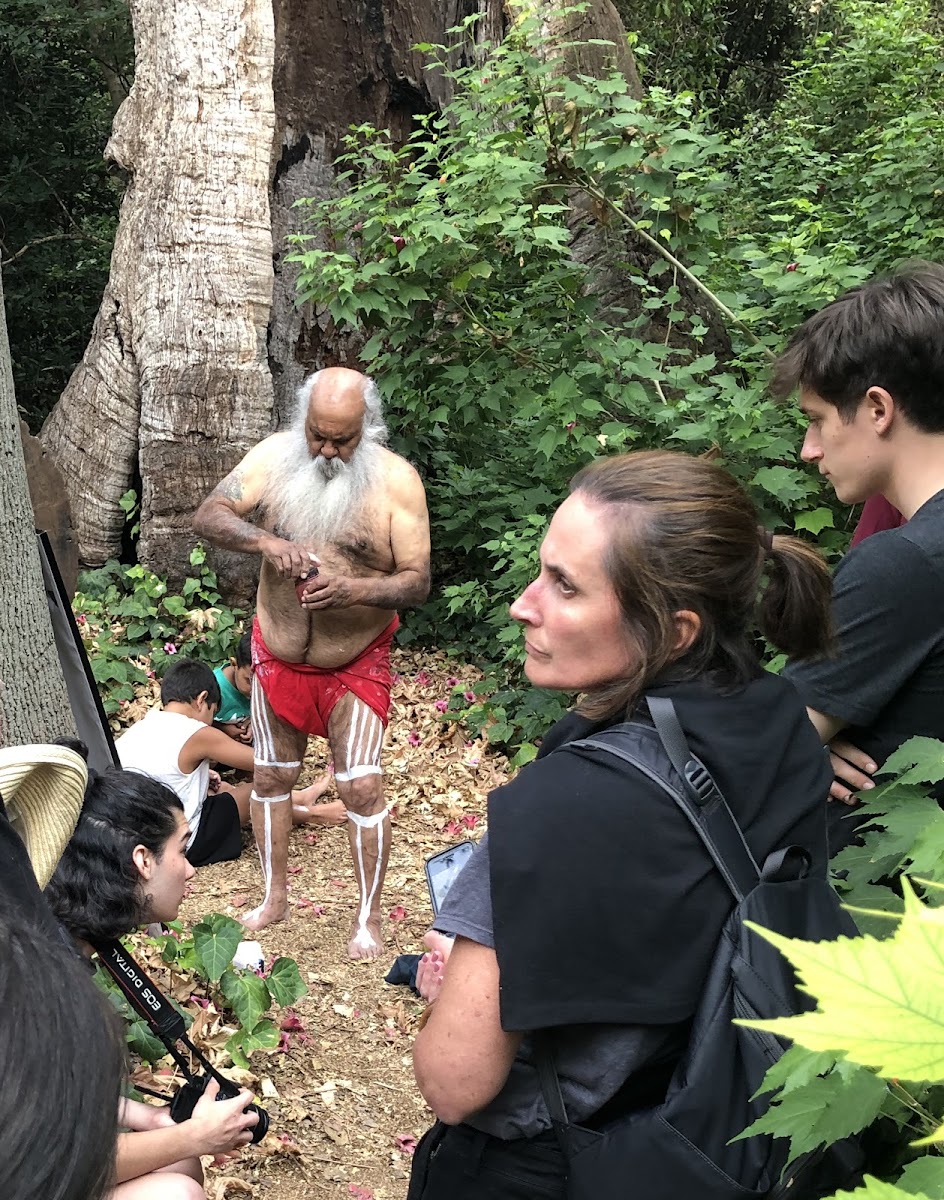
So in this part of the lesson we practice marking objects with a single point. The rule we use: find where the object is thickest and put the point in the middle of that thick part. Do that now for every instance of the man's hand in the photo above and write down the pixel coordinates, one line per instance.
(290, 560)
(218, 1126)
(330, 591)
(851, 766)
(214, 782)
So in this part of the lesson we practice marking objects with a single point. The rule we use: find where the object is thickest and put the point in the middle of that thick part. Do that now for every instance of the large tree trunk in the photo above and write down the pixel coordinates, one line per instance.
(175, 385)
(34, 705)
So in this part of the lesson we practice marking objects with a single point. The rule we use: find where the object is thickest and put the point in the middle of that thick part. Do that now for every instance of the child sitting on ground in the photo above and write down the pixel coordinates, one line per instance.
(235, 681)
(176, 744)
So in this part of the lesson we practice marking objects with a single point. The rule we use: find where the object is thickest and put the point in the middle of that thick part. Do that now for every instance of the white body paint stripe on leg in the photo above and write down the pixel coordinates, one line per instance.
(269, 799)
(258, 762)
(375, 821)
(265, 852)
(357, 773)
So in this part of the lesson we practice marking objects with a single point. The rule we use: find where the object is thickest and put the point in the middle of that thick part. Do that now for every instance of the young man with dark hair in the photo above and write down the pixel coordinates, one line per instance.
(870, 373)
(176, 744)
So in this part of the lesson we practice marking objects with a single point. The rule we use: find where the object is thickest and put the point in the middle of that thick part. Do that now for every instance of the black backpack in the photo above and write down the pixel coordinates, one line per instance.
(682, 1149)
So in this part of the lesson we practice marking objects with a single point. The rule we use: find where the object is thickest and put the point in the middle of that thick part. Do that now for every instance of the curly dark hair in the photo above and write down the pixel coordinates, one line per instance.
(96, 889)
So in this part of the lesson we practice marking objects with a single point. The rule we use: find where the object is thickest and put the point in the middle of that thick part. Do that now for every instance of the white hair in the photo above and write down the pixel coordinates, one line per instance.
(317, 500)
(374, 428)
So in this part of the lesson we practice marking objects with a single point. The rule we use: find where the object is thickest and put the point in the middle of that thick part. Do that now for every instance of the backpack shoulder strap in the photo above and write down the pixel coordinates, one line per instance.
(669, 763)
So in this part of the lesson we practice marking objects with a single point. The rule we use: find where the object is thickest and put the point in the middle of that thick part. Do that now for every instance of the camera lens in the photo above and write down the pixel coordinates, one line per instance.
(262, 1128)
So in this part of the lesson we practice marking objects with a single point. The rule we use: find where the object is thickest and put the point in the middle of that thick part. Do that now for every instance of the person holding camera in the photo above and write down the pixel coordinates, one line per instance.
(125, 866)
(590, 911)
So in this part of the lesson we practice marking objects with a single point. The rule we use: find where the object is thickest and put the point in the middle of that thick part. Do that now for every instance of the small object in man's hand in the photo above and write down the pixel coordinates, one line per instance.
(301, 584)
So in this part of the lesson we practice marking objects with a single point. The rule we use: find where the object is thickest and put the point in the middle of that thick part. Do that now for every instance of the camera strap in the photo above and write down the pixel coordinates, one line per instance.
(147, 1000)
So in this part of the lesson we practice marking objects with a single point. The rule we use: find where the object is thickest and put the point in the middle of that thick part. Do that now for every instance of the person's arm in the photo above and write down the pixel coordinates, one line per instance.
(221, 518)
(462, 1057)
(408, 584)
(213, 744)
(216, 1127)
(826, 726)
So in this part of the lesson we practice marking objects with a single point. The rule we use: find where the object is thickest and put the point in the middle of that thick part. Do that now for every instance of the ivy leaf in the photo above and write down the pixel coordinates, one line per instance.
(215, 939)
(924, 1176)
(285, 982)
(822, 1111)
(141, 1041)
(247, 994)
(263, 1036)
(875, 1007)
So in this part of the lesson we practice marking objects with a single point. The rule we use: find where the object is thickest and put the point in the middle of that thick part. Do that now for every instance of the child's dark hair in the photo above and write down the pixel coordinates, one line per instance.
(185, 679)
(96, 889)
(76, 745)
(243, 653)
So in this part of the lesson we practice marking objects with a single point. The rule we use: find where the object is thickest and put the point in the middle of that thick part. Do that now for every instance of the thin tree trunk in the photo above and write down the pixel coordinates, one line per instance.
(34, 705)
(174, 385)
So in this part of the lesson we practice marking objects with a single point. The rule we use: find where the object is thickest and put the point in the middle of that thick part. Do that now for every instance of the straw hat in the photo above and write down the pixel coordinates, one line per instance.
(43, 788)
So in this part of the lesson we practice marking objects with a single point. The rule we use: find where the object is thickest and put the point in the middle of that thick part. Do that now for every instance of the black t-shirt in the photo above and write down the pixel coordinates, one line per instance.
(607, 908)
(887, 678)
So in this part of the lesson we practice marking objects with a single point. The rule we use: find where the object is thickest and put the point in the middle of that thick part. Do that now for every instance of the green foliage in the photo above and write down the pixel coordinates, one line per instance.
(63, 68)
(207, 954)
(874, 1046)
(731, 53)
(132, 627)
(505, 373)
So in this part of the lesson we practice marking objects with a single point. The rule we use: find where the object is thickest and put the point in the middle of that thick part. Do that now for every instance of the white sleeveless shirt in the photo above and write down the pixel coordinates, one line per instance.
(153, 747)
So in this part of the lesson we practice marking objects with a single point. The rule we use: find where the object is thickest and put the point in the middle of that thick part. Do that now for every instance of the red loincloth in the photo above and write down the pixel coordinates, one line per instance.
(304, 697)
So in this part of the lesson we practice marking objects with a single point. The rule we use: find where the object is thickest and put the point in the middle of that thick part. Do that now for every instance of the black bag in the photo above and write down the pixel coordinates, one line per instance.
(681, 1149)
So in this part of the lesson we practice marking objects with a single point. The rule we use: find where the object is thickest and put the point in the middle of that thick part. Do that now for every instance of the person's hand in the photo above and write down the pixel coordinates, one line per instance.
(329, 591)
(432, 966)
(214, 782)
(853, 770)
(290, 560)
(219, 1126)
(245, 732)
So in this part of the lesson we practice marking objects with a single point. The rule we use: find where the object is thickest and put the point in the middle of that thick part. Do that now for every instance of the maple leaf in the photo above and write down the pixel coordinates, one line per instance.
(880, 1002)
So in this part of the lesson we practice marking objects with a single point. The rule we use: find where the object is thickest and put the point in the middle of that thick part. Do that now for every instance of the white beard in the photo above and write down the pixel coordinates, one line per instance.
(317, 500)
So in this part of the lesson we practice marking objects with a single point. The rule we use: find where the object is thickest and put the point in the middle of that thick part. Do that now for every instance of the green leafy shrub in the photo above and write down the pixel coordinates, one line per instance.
(132, 627)
(203, 958)
(451, 256)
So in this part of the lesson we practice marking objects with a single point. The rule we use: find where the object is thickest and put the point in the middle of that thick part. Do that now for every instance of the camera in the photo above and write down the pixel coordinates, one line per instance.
(185, 1101)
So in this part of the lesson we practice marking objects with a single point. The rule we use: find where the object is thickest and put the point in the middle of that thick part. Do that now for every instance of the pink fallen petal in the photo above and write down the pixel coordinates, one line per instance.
(360, 1193)
(239, 900)
(311, 838)
(293, 870)
(405, 1143)
(338, 883)
(470, 820)
(453, 827)
(291, 1023)
(442, 705)
(398, 913)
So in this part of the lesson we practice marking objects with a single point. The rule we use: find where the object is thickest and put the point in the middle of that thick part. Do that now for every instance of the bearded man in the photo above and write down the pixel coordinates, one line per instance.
(341, 525)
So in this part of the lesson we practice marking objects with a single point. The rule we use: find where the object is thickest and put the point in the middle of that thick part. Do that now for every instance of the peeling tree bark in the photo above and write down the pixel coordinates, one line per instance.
(174, 385)
(34, 705)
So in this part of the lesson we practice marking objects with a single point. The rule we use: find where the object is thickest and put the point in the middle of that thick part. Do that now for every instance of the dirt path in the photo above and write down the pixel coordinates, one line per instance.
(343, 1103)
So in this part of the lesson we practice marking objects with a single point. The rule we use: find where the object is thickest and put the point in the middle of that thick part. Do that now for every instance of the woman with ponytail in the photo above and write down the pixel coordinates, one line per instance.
(591, 908)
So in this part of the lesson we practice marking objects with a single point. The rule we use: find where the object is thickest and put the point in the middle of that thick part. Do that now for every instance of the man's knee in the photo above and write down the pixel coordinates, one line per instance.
(274, 781)
(364, 795)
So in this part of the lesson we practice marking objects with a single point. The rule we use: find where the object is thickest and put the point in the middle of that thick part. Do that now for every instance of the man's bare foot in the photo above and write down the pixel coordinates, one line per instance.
(367, 942)
(265, 915)
(332, 813)
(305, 797)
